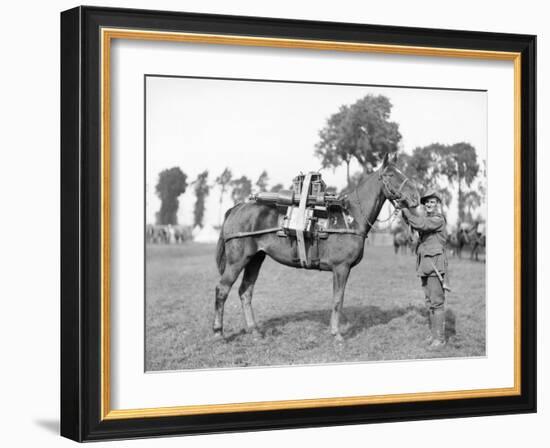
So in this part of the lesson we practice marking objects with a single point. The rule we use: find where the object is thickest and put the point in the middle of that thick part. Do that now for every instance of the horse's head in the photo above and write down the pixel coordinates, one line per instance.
(396, 186)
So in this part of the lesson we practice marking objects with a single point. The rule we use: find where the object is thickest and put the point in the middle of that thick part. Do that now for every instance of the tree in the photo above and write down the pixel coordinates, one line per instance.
(171, 184)
(202, 189)
(276, 188)
(242, 187)
(472, 200)
(261, 183)
(481, 186)
(446, 197)
(437, 164)
(406, 163)
(425, 163)
(460, 167)
(223, 180)
(374, 134)
(362, 132)
(332, 149)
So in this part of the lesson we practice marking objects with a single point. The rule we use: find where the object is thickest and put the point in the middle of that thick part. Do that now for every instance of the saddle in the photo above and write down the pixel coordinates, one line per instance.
(307, 214)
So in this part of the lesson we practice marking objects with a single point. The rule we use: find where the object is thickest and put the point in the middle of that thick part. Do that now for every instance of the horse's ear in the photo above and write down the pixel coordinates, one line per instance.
(385, 160)
(393, 157)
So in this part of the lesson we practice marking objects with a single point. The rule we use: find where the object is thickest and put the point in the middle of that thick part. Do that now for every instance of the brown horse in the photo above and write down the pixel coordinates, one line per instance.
(338, 253)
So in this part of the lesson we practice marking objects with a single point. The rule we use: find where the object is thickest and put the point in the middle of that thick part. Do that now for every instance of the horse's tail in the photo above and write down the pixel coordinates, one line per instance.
(220, 248)
(220, 253)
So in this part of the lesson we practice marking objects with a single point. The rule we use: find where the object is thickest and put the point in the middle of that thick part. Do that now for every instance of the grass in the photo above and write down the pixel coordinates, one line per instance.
(383, 319)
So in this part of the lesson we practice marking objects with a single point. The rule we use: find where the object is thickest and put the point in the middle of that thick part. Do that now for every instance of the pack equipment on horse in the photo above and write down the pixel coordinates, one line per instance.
(305, 215)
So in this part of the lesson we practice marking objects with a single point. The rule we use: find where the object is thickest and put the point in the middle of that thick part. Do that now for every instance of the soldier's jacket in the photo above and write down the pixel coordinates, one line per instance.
(431, 245)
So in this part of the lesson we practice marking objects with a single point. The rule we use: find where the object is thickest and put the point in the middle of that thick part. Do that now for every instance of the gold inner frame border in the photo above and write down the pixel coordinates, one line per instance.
(107, 35)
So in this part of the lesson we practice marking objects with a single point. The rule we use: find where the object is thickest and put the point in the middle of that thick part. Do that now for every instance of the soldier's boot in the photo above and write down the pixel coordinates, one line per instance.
(438, 328)
(429, 338)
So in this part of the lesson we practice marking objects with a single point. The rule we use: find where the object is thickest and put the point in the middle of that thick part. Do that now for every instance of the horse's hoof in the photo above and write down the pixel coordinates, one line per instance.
(218, 335)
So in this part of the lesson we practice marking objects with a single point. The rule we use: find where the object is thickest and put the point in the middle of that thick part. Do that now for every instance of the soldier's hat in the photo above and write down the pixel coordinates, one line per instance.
(430, 194)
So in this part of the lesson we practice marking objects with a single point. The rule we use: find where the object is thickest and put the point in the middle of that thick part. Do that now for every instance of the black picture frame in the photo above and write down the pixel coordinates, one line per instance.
(81, 224)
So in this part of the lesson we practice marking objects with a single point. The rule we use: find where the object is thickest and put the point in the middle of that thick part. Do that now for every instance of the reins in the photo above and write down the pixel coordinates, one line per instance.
(390, 194)
(392, 216)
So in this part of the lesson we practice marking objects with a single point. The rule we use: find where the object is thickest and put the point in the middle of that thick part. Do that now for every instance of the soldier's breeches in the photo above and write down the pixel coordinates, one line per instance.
(433, 292)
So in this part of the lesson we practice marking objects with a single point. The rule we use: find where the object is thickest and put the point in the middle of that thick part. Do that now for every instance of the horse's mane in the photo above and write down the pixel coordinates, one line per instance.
(351, 188)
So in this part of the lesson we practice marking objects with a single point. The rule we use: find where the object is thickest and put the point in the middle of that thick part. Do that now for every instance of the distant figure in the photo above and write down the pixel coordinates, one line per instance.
(459, 239)
(171, 234)
(465, 235)
(477, 239)
(401, 240)
(431, 265)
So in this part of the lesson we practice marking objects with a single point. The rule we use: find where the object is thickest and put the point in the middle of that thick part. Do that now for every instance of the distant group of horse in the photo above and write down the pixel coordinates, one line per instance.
(470, 236)
(167, 234)
(404, 240)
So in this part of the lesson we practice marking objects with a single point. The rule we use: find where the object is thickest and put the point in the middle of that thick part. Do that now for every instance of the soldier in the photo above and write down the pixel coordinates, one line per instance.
(431, 262)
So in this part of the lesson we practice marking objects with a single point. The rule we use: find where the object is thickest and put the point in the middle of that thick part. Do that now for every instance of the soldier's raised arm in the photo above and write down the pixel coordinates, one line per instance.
(424, 223)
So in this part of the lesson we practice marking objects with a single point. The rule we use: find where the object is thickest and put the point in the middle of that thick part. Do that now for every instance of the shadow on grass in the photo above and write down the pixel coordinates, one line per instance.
(360, 319)
(355, 319)
(450, 323)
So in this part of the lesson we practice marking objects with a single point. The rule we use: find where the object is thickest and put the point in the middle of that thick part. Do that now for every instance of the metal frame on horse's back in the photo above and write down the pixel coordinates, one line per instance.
(86, 406)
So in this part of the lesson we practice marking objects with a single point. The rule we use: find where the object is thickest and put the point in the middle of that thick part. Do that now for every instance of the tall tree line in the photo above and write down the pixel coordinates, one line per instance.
(172, 183)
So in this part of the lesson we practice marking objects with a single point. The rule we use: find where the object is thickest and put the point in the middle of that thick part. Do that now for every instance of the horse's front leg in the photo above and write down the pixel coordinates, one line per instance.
(340, 274)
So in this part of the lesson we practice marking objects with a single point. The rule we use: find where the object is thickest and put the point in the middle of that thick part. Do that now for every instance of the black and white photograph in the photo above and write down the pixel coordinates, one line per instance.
(305, 223)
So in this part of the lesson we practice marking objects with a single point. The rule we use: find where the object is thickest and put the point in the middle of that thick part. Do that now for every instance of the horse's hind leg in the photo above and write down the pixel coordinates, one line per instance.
(229, 277)
(246, 289)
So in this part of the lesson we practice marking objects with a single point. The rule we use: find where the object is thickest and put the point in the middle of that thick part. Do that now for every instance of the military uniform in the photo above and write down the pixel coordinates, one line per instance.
(431, 255)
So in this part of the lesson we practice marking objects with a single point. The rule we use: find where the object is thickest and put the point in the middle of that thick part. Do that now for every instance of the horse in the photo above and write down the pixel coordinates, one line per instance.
(478, 240)
(403, 238)
(477, 244)
(457, 240)
(338, 253)
(467, 235)
(181, 234)
(149, 233)
(156, 234)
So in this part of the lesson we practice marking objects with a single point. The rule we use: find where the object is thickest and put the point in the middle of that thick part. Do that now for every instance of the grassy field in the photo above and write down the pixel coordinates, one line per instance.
(384, 316)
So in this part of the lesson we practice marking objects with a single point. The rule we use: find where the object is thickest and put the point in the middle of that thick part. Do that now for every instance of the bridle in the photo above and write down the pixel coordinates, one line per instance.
(390, 193)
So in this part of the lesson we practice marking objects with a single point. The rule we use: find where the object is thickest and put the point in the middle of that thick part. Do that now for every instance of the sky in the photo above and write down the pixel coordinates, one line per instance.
(249, 126)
